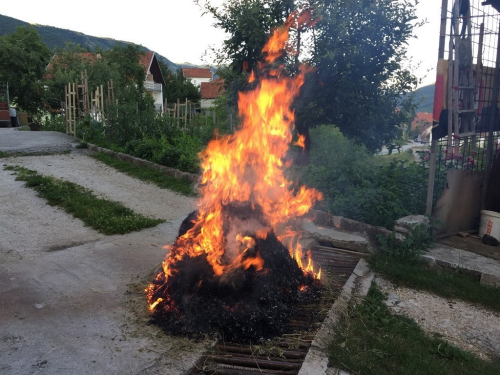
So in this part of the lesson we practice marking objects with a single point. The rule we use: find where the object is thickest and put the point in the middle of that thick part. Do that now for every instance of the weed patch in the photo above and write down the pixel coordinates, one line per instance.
(371, 340)
(105, 216)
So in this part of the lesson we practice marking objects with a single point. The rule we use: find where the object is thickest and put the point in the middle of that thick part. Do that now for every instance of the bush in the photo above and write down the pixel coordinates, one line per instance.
(54, 123)
(358, 186)
(413, 245)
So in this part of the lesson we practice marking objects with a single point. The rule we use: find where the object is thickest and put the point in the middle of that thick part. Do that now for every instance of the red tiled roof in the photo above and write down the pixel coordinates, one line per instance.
(421, 119)
(146, 60)
(211, 90)
(424, 116)
(197, 72)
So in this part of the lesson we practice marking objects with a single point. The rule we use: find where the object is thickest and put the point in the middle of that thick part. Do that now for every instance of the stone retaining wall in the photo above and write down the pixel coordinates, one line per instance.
(148, 164)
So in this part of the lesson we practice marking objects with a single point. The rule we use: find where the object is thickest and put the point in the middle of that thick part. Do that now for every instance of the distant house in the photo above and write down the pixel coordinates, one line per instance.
(153, 81)
(210, 91)
(198, 75)
(421, 121)
(421, 125)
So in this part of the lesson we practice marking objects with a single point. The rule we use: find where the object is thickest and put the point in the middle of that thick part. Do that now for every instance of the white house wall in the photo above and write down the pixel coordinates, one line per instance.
(197, 81)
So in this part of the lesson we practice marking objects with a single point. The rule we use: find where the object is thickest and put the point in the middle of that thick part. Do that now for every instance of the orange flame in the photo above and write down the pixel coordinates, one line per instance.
(247, 169)
(301, 142)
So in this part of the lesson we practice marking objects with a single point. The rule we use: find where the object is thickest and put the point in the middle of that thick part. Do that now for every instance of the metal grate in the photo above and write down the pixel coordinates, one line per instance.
(284, 355)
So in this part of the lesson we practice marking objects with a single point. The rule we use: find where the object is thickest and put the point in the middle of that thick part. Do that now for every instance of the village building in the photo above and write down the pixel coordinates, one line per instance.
(210, 91)
(197, 76)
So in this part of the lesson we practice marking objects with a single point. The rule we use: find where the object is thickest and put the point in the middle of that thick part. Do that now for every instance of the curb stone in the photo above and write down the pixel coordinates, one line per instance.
(355, 289)
(145, 163)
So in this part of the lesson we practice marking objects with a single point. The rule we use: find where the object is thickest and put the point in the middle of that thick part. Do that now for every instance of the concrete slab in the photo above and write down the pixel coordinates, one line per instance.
(336, 238)
(68, 311)
(488, 268)
(12, 140)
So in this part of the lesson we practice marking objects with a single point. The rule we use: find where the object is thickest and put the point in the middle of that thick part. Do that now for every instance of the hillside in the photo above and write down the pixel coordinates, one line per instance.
(425, 96)
(54, 37)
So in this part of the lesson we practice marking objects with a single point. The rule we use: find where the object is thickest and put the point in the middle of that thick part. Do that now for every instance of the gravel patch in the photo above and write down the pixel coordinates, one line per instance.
(467, 326)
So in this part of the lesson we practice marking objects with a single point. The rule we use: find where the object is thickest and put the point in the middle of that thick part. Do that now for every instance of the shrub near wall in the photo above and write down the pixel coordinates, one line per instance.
(356, 185)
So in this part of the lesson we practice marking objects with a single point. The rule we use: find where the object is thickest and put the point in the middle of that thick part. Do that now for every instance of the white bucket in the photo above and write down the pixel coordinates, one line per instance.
(490, 224)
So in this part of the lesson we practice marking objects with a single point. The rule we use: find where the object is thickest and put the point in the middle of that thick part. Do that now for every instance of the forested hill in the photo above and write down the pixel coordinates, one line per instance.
(425, 97)
(54, 37)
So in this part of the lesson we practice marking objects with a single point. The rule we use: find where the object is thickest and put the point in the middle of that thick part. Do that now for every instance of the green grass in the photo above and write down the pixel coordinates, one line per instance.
(182, 186)
(3, 154)
(417, 274)
(395, 156)
(105, 216)
(371, 340)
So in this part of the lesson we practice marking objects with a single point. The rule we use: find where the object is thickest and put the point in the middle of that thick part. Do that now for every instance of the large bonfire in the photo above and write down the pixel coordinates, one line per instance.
(229, 270)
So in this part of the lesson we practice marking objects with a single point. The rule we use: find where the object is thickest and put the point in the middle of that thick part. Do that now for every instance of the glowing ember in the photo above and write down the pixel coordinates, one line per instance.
(245, 198)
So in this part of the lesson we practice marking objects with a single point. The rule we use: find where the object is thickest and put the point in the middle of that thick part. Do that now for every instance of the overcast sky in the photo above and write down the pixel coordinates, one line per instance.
(176, 29)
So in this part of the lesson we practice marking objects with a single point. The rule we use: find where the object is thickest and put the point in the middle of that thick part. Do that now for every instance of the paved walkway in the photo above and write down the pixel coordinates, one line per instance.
(488, 268)
(12, 140)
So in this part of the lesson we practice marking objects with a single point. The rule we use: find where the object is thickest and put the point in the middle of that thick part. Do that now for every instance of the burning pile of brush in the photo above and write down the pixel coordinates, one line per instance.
(229, 270)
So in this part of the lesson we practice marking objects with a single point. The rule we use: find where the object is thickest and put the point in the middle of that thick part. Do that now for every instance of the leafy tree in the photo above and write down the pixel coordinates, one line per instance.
(177, 86)
(23, 59)
(248, 24)
(357, 49)
(65, 67)
(121, 64)
(359, 52)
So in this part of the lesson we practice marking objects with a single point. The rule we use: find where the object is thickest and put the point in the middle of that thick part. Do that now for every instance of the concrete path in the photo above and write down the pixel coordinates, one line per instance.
(73, 312)
(488, 268)
(12, 140)
(71, 299)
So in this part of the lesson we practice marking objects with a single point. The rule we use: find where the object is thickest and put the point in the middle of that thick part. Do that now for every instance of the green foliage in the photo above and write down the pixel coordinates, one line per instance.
(356, 186)
(105, 216)
(121, 65)
(248, 24)
(54, 123)
(154, 138)
(23, 59)
(410, 248)
(178, 87)
(359, 53)
(370, 340)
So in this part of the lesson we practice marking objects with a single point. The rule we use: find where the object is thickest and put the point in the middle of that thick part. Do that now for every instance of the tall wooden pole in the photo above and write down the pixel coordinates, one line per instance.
(432, 164)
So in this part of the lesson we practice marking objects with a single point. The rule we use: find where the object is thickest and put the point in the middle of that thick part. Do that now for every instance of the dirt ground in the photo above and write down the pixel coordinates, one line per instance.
(72, 300)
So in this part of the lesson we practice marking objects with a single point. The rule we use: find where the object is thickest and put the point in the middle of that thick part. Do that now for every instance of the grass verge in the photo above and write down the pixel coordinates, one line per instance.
(370, 340)
(105, 216)
(417, 274)
(182, 186)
